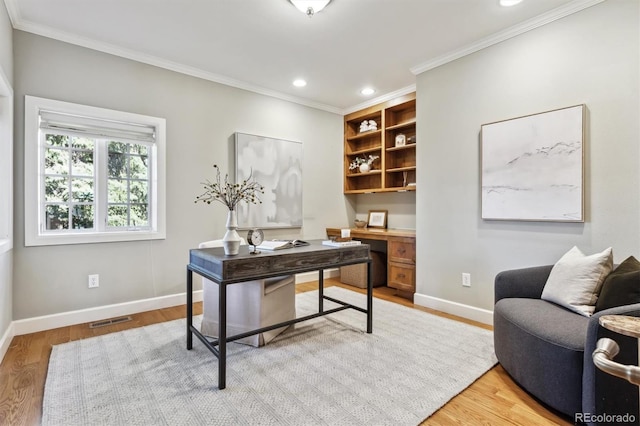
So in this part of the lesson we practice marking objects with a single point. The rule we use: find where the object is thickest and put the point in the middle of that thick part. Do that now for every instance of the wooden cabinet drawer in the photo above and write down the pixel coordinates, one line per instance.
(402, 250)
(401, 277)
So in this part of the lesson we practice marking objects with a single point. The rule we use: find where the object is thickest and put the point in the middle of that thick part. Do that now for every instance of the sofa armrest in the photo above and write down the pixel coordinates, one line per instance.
(597, 386)
(525, 283)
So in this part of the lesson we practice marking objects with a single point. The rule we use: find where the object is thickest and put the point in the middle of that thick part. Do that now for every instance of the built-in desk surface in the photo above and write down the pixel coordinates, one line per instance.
(374, 233)
(401, 255)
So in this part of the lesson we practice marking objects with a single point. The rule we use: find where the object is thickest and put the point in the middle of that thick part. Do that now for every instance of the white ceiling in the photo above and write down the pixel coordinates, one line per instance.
(263, 45)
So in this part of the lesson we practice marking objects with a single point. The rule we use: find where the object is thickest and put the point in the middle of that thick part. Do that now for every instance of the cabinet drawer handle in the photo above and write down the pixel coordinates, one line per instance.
(400, 275)
(402, 250)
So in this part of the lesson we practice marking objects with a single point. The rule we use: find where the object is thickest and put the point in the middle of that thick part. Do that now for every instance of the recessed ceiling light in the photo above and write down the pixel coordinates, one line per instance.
(299, 83)
(507, 3)
(310, 7)
(367, 91)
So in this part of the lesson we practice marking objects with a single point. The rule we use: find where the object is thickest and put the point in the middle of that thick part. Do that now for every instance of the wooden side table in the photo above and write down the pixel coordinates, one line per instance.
(627, 326)
(622, 324)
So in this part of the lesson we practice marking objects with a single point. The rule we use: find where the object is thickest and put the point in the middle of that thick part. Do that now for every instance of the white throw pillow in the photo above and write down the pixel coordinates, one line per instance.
(575, 280)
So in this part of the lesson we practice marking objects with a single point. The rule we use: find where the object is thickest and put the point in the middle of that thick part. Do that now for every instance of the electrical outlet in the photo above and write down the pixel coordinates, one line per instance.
(94, 281)
(466, 279)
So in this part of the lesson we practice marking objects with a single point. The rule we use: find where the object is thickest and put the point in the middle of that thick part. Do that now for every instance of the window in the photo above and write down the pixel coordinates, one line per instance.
(92, 174)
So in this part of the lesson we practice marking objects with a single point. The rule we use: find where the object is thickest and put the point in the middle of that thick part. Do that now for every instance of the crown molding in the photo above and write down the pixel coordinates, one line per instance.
(158, 62)
(13, 11)
(516, 30)
(380, 99)
(541, 20)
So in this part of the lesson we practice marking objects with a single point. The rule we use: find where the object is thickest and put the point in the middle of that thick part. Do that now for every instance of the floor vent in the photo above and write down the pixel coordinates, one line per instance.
(109, 322)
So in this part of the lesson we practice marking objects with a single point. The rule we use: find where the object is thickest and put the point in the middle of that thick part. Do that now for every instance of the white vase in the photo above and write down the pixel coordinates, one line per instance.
(231, 240)
(364, 167)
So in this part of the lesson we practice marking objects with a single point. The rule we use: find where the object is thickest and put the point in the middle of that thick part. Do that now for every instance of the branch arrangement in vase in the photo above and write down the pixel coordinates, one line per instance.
(230, 194)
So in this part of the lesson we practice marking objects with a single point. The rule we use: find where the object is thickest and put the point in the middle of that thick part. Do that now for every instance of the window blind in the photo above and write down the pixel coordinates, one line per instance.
(97, 127)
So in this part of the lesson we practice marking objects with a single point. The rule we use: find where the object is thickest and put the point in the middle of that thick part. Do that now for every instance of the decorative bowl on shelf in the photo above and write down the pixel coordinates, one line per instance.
(360, 223)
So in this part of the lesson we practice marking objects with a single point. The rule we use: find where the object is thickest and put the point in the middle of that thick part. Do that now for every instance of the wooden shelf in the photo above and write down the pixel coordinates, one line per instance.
(364, 135)
(394, 117)
(401, 169)
(382, 190)
(364, 151)
(402, 188)
(403, 125)
(400, 148)
(365, 174)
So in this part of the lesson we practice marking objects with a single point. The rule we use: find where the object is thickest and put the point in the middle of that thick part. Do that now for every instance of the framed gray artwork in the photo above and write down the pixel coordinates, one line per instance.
(532, 167)
(277, 165)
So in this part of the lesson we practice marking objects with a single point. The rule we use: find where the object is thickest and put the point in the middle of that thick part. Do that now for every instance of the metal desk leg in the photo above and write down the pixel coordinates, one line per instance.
(222, 336)
(189, 308)
(370, 297)
(321, 290)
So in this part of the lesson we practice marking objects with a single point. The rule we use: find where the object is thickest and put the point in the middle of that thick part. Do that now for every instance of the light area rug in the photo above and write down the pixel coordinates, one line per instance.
(323, 371)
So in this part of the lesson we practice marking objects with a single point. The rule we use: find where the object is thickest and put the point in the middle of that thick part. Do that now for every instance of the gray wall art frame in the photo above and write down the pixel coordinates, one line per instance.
(533, 167)
(277, 165)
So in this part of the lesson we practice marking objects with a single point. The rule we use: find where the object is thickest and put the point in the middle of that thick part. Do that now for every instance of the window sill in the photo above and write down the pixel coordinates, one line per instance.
(89, 238)
(5, 245)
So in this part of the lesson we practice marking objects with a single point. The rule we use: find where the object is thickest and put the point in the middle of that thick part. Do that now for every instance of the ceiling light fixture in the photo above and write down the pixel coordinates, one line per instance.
(367, 91)
(299, 83)
(310, 7)
(507, 3)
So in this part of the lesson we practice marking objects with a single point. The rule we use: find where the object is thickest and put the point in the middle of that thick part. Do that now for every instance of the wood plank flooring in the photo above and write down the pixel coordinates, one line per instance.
(494, 399)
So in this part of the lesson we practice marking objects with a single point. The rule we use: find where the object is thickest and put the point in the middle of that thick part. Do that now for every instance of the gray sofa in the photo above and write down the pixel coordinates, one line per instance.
(547, 349)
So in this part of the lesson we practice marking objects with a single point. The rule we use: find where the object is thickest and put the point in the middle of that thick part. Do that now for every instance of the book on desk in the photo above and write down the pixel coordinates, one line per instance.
(332, 243)
(281, 244)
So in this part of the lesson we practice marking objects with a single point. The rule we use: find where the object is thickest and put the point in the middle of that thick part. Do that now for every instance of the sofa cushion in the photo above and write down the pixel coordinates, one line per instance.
(621, 287)
(541, 345)
(575, 280)
(546, 321)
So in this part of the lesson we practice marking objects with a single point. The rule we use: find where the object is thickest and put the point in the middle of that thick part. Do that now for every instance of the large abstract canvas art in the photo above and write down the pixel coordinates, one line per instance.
(277, 165)
(532, 167)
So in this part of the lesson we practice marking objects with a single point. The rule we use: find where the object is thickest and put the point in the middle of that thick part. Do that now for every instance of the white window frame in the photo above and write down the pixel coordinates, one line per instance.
(6, 164)
(34, 234)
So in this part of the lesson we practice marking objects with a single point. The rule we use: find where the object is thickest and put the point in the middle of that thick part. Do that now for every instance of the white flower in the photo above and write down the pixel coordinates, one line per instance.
(361, 160)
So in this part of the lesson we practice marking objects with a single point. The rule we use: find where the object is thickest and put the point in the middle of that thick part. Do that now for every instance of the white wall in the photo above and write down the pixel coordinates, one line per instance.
(400, 206)
(6, 259)
(590, 57)
(201, 119)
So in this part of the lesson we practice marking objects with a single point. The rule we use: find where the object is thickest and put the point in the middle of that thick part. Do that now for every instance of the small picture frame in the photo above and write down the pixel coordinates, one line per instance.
(401, 139)
(377, 219)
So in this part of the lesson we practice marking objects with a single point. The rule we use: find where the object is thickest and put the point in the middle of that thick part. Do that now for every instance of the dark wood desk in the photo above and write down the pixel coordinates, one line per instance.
(224, 270)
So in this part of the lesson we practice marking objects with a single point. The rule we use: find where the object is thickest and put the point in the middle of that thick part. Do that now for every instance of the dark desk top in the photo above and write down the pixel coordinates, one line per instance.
(215, 265)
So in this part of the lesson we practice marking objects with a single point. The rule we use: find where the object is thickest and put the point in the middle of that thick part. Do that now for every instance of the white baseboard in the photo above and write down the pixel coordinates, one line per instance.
(63, 319)
(454, 308)
(5, 341)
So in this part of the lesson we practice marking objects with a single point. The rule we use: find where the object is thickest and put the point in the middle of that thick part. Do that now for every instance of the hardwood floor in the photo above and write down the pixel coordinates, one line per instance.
(494, 399)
